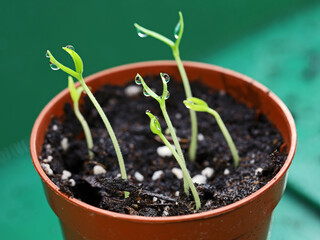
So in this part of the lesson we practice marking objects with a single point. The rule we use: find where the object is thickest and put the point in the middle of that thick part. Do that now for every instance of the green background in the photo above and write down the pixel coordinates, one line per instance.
(275, 42)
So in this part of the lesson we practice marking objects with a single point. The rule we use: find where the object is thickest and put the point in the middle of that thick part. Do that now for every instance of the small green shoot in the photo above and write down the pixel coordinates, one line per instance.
(55, 65)
(75, 95)
(162, 102)
(156, 129)
(178, 31)
(199, 105)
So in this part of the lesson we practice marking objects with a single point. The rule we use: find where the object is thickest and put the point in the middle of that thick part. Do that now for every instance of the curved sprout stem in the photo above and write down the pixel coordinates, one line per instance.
(193, 115)
(85, 127)
(75, 96)
(175, 142)
(156, 129)
(227, 136)
(184, 169)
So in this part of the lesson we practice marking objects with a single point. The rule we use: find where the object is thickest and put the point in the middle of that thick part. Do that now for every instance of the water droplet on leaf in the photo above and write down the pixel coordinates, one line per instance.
(70, 47)
(137, 80)
(146, 93)
(177, 30)
(141, 34)
(54, 67)
(167, 95)
(166, 77)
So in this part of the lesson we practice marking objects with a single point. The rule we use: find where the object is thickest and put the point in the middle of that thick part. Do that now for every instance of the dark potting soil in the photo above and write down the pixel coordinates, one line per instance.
(257, 141)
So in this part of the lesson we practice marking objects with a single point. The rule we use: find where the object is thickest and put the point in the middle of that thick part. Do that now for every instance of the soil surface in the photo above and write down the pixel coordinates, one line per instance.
(65, 151)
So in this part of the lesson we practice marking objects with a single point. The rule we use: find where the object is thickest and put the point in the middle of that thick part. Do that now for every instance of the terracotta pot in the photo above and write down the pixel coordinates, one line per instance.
(248, 218)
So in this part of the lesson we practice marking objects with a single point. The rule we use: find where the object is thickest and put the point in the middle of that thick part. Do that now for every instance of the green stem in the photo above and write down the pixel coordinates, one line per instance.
(175, 141)
(193, 116)
(185, 172)
(110, 130)
(227, 136)
(85, 127)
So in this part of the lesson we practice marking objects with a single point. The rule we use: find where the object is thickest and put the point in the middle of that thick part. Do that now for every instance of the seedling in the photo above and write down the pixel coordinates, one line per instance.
(178, 31)
(162, 102)
(55, 65)
(75, 95)
(199, 105)
(156, 129)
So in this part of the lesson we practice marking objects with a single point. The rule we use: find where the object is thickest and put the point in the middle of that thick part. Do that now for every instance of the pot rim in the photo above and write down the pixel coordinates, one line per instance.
(169, 219)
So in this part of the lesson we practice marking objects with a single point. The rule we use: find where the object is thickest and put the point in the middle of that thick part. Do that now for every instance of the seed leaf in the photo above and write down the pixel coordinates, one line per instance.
(62, 67)
(146, 90)
(76, 59)
(196, 104)
(146, 32)
(154, 124)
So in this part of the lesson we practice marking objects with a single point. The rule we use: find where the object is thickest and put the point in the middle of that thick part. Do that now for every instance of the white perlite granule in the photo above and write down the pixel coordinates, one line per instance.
(46, 167)
(132, 91)
(72, 182)
(207, 172)
(48, 159)
(164, 151)
(258, 171)
(200, 137)
(138, 176)
(157, 174)
(177, 172)
(55, 127)
(226, 171)
(165, 211)
(200, 179)
(65, 144)
(65, 175)
(178, 116)
(208, 203)
(177, 193)
(97, 170)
